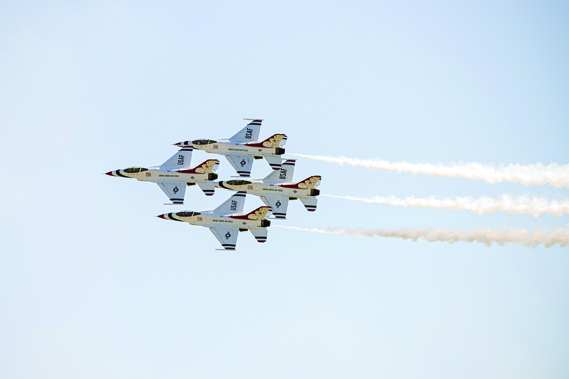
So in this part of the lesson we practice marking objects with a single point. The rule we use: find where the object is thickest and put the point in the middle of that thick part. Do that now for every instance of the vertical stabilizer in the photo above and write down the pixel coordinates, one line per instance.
(180, 160)
(250, 133)
(232, 205)
(284, 175)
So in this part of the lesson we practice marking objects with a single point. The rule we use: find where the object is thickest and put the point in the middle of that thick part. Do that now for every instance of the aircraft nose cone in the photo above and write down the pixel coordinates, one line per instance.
(218, 184)
(110, 173)
(177, 144)
(161, 216)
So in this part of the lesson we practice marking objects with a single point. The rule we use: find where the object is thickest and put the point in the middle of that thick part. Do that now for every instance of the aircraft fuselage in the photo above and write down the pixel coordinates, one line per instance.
(229, 148)
(208, 220)
(259, 188)
(156, 175)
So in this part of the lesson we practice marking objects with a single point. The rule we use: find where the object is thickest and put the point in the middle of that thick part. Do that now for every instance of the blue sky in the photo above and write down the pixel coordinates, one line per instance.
(92, 284)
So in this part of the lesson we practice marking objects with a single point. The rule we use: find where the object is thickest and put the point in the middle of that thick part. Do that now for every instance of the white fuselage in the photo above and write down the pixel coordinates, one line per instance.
(157, 175)
(225, 147)
(260, 188)
(208, 219)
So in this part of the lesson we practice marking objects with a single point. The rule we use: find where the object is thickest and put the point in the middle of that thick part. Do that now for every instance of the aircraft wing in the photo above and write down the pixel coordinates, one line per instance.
(226, 236)
(278, 203)
(242, 164)
(174, 191)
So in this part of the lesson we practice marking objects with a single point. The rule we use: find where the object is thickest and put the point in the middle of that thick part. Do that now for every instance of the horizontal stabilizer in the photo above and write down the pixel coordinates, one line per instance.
(274, 161)
(206, 167)
(260, 234)
(309, 202)
(208, 188)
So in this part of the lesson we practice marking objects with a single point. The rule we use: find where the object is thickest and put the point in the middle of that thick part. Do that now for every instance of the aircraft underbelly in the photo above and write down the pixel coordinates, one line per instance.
(243, 224)
(278, 192)
(166, 180)
(271, 191)
(192, 178)
(243, 150)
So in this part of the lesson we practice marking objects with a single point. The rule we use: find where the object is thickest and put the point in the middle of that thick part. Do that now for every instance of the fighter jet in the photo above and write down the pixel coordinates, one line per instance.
(241, 149)
(175, 174)
(226, 221)
(277, 188)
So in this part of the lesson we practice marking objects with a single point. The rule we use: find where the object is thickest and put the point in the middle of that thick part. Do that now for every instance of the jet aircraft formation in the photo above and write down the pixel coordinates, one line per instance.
(241, 150)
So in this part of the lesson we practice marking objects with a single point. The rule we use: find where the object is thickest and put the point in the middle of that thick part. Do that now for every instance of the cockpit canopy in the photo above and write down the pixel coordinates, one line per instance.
(134, 170)
(203, 142)
(187, 214)
(237, 182)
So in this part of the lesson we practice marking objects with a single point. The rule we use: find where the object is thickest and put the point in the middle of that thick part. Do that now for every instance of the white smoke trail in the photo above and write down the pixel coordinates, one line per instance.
(529, 238)
(535, 174)
(534, 206)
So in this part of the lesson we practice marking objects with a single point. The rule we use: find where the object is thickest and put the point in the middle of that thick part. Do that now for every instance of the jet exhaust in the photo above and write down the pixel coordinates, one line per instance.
(529, 238)
(534, 206)
(527, 175)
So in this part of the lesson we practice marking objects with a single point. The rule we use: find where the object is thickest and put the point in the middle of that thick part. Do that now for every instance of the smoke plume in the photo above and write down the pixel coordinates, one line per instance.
(534, 206)
(529, 238)
(534, 175)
